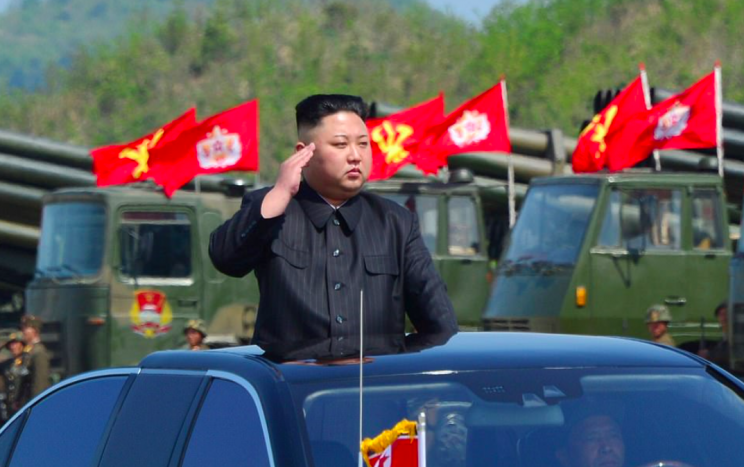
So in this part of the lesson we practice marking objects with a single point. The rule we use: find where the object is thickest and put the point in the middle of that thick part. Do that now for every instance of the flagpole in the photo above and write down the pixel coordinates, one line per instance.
(647, 98)
(510, 170)
(361, 366)
(421, 435)
(719, 116)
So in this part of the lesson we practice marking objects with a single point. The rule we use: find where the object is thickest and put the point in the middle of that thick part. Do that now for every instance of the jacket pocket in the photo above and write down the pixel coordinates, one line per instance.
(381, 264)
(297, 258)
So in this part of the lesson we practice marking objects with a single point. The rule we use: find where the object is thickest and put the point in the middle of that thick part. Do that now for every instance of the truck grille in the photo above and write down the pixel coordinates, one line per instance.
(506, 324)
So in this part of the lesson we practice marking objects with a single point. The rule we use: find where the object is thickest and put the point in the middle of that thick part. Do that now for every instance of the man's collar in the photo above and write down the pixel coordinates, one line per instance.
(319, 211)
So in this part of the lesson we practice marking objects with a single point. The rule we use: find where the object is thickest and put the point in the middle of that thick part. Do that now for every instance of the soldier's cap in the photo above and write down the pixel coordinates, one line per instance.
(31, 321)
(658, 314)
(14, 337)
(197, 325)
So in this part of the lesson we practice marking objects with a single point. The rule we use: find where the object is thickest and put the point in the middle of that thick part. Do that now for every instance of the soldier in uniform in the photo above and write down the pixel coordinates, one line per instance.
(16, 387)
(195, 332)
(719, 354)
(657, 321)
(38, 355)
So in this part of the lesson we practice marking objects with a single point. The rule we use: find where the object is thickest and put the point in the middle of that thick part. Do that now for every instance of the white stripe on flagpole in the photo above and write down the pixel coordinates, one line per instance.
(719, 117)
(647, 98)
(510, 171)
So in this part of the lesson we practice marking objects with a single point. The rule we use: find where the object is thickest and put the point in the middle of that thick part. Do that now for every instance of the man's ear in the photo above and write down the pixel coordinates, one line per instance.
(299, 145)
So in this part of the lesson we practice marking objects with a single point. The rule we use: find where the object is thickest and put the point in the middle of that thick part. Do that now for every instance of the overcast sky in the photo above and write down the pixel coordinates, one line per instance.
(471, 10)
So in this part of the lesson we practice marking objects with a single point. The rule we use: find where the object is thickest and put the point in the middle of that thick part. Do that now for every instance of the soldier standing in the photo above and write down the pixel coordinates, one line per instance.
(15, 377)
(657, 321)
(195, 332)
(38, 356)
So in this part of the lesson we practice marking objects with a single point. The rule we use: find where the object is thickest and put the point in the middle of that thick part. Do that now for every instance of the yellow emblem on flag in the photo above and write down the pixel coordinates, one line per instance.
(391, 143)
(141, 155)
(600, 130)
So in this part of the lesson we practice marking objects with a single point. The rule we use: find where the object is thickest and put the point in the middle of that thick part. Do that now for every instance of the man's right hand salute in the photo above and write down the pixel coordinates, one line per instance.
(287, 183)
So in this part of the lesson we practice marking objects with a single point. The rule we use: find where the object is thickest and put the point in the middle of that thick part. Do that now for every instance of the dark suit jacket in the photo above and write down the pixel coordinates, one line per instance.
(313, 261)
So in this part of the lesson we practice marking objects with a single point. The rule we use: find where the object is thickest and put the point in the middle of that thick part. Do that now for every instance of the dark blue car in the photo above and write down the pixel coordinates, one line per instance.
(490, 399)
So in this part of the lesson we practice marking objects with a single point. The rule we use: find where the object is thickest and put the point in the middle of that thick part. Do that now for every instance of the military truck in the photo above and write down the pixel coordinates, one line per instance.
(590, 253)
(120, 270)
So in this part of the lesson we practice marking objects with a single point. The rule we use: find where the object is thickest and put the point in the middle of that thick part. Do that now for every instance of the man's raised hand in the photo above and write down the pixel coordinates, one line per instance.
(287, 183)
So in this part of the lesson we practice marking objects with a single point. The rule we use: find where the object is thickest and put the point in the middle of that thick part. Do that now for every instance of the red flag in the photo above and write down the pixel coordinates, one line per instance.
(684, 121)
(131, 162)
(397, 447)
(590, 154)
(396, 139)
(480, 124)
(226, 141)
(403, 452)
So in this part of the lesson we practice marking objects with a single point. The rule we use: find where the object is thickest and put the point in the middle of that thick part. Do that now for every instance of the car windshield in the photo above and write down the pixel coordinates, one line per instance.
(536, 417)
(72, 238)
(551, 225)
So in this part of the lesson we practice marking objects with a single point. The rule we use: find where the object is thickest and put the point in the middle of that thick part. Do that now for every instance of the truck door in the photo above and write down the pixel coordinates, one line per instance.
(707, 263)
(638, 260)
(156, 285)
(465, 266)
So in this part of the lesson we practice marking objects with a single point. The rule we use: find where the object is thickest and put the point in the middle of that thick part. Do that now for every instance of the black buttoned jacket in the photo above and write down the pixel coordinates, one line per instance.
(312, 262)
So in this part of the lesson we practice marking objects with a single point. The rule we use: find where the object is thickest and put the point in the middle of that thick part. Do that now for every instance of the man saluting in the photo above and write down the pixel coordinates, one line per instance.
(315, 240)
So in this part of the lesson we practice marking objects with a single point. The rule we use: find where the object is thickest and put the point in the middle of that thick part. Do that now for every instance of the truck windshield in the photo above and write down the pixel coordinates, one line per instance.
(551, 225)
(425, 206)
(72, 238)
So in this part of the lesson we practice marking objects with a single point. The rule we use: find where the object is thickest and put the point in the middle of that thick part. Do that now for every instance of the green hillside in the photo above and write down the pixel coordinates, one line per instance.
(555, 55)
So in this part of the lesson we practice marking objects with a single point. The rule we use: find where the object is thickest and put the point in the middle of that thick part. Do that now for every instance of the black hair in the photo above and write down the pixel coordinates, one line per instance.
(311, 110)
(723, 304)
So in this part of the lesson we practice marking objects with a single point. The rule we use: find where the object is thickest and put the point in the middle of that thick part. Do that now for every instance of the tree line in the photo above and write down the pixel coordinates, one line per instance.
(555, 55)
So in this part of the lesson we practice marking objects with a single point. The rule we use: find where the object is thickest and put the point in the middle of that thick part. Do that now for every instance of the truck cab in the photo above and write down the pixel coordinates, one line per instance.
(120, 270)
(590, 254)
(452, 226)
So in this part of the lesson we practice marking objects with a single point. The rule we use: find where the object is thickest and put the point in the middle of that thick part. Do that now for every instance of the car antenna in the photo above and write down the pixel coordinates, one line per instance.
(361, 368)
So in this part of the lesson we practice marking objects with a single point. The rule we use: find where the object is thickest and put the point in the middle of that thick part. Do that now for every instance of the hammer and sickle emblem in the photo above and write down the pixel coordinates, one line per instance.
(600, 129)
(141, 155)
(391, 143)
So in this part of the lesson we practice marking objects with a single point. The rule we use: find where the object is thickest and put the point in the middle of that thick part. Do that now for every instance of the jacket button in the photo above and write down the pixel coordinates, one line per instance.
(339, 319)
(337, 286)
(336, 252)
(336, 222)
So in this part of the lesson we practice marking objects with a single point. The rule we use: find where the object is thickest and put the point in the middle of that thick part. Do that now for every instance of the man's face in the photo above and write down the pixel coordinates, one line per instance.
(16, 348)
(193, 337)
(595, 442)
(29, 333)
(343, 156)
(657, 329)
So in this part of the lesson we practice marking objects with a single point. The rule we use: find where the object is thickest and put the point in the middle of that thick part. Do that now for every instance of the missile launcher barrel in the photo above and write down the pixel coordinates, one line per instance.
(45, 150)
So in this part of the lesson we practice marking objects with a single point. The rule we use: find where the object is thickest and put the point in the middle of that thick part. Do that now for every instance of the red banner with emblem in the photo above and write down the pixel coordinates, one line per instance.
(687, 120)
(221, 143)
(591, 153)
(480, 124)
(131, 162)
(397, 139)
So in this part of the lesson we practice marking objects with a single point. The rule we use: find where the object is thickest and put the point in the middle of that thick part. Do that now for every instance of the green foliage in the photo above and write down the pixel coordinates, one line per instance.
(555, 54)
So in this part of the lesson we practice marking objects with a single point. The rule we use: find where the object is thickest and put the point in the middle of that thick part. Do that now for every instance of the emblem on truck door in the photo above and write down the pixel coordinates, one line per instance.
(151, 314)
